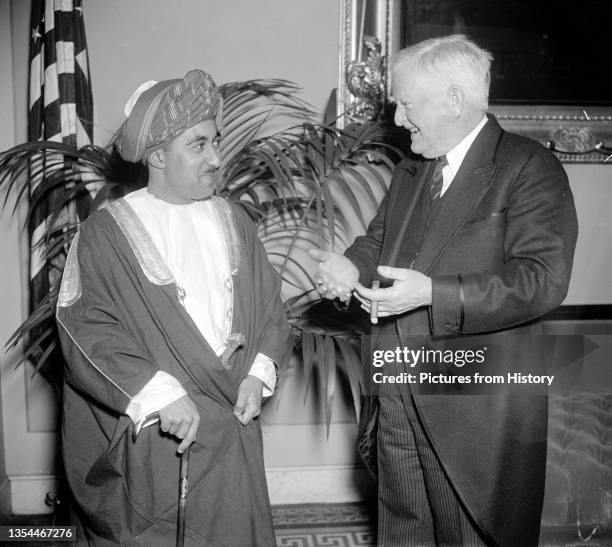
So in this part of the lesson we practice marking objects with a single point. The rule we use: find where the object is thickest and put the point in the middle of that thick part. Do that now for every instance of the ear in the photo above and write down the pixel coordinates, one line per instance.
(456, 97)
(157, 159)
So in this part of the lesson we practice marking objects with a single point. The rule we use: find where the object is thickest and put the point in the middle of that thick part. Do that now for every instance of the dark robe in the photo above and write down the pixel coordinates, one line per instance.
(121, 321)
(498, 247)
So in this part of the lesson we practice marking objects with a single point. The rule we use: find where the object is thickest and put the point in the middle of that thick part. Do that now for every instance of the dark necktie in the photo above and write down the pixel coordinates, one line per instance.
(437, 179)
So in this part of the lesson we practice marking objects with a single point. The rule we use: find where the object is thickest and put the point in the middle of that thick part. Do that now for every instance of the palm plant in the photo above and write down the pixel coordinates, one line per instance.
(304, 185)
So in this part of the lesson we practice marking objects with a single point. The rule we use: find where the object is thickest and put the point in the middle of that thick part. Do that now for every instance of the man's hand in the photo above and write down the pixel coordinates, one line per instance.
(181, 419)
(248, 404)
(336, 276)
(410, 290)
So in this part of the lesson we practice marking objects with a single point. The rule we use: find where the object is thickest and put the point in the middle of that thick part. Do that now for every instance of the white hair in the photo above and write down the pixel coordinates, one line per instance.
(455, 58)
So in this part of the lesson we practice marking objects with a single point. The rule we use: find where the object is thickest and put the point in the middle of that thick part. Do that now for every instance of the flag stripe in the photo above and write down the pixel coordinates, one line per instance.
(61, 110)
(65, 57)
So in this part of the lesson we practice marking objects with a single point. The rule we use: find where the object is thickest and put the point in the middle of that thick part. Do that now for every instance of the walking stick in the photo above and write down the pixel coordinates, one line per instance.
(182, 505)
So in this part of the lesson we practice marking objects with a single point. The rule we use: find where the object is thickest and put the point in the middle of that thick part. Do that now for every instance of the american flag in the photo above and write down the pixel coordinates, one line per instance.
(60, 110)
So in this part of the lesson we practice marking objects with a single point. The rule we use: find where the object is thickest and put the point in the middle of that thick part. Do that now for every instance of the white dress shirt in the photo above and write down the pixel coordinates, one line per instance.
(205, 280)
(456, 156)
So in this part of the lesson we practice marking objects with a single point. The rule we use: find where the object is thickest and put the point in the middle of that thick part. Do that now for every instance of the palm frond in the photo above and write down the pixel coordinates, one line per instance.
(66, 171)
(332, 355)
(350, 358)
(255, 109)
(44, 311)
(330, 378)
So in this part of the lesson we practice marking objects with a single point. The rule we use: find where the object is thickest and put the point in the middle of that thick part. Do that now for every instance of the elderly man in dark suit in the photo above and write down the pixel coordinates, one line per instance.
(476, 237)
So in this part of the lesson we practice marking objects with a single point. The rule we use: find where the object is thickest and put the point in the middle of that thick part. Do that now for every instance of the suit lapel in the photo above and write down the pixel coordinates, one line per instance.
(470, 184)
(405, 209)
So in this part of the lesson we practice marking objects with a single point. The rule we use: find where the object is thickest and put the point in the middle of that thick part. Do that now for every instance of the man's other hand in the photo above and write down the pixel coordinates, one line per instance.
(248, 404)
(336, 275)
(410, 290)
(181, 419)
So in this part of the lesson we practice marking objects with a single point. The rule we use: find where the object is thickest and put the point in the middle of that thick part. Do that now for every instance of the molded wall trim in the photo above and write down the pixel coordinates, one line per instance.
(28, 493)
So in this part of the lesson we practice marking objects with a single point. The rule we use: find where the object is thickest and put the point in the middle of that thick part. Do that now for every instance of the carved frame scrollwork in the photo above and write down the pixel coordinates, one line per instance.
(576, 133)
(366, 34)
(369, 34)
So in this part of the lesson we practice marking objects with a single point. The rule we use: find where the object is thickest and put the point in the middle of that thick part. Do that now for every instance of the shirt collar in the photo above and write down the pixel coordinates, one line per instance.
(455, 156)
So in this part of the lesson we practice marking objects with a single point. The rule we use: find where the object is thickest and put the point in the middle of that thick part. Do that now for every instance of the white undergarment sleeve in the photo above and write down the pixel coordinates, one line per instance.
(264, 369)
(158, 392)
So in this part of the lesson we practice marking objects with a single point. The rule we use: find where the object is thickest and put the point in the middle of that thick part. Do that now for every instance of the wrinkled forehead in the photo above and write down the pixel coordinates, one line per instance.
(405, 82)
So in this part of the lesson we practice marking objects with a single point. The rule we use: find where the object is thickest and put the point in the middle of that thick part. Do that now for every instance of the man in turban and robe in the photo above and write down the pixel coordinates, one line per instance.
(171, 323)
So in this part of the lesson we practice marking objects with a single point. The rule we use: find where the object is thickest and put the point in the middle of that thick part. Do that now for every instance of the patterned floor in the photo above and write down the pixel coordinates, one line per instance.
(348, 525)
(324, 525)
(306, 525)
(354, 524)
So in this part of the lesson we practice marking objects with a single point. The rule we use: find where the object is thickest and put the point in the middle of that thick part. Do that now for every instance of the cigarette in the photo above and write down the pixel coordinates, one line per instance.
(374, 305)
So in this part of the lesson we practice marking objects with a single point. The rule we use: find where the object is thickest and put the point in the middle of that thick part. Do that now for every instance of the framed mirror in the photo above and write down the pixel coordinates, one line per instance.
(549, 74)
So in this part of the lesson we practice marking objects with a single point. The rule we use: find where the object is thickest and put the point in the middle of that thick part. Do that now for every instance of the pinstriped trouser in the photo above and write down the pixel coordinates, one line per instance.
(416, 503)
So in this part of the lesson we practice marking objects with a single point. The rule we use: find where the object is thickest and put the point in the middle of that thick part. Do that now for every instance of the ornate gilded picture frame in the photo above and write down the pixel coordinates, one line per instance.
(372, 30)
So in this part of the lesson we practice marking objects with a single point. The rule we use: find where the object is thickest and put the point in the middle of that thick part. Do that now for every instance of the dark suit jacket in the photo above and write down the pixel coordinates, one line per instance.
(498, 247)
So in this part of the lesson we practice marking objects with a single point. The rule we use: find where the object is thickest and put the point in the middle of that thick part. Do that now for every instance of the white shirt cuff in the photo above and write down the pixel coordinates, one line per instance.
(263, 368)
(159, 391)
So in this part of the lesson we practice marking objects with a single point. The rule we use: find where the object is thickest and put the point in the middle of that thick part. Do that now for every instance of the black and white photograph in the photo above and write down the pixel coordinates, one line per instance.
(305, 273)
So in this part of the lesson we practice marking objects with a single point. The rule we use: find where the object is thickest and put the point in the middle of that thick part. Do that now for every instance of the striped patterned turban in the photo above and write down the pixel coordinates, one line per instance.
(160, 111)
